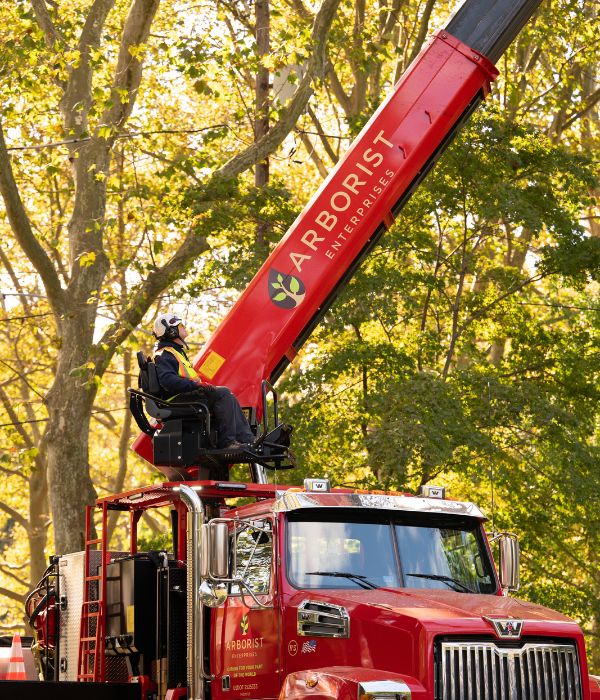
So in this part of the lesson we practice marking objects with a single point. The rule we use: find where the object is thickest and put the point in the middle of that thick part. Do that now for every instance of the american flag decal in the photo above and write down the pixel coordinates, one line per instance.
(307, 647)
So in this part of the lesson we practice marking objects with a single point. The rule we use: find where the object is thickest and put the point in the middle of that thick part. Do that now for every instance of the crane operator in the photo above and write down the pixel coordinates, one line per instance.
(181, 383)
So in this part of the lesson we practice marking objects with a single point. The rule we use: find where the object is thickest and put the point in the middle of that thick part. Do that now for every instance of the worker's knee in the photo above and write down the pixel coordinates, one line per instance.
(222, 392)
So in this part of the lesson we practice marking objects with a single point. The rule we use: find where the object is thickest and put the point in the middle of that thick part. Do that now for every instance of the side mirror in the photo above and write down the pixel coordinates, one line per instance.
(510, 558)
(212, 595)
(215, 551)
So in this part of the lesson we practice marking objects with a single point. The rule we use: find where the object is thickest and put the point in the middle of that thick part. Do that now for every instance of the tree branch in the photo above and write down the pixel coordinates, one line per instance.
(21, 227)
(422, 33)
(388, 24)
(15, 281)
(22, 376)
(153, 523)
(143, 296)
(8, 406)
(324, 140)
(313, 155)
(77, 98)
(591, 101)
(14, 472)
(128, 74)
(356, 58)
(316, 66)
(14, 567)
(46, 24)
(457, 299)
(7, 572)
(23, 522)
(12, 595)
(338, 89)
(510, 292)
(301, 10)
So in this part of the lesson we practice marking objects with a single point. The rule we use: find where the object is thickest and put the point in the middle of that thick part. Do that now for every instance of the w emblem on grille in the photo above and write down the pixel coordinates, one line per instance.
(506, 628)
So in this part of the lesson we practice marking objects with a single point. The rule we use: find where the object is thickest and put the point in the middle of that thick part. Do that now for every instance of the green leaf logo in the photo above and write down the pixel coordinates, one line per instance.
(285, 291)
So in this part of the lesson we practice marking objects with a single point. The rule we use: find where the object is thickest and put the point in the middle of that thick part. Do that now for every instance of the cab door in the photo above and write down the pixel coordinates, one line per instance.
(244, 644)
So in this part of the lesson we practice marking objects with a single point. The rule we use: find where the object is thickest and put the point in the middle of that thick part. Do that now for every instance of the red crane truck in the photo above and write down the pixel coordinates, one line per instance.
(308, 592)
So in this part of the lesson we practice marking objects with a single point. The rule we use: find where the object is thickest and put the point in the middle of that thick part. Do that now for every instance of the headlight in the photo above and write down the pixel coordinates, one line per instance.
(383, 690)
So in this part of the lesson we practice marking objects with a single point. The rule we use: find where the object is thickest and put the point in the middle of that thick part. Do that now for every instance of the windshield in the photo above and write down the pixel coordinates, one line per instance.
(335, 550)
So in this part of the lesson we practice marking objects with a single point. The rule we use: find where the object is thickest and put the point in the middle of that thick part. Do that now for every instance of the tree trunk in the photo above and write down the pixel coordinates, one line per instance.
(70, 402)
(70, 486)
(261, 123)
(124, 442)
(38, 520)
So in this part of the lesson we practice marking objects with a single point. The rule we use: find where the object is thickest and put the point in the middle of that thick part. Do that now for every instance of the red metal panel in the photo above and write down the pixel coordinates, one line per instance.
(339, 220)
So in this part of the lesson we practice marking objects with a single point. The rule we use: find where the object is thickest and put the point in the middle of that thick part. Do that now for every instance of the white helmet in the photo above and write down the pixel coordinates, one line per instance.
(166, 326)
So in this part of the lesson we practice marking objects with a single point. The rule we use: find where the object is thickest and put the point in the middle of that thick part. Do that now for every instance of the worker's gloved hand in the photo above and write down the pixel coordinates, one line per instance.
(206, 386)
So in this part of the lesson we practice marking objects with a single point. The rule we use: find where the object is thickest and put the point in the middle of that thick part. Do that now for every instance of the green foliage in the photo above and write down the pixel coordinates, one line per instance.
(156, 543)
(422, 425)
(575, 258)
(229, 218)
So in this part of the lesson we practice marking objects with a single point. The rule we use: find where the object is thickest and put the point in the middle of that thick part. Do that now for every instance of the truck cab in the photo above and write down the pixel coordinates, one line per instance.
(381, 591)
(312, 592)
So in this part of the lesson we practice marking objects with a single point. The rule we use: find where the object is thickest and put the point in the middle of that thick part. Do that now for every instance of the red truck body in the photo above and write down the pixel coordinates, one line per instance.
(393, 630)
(395, 637)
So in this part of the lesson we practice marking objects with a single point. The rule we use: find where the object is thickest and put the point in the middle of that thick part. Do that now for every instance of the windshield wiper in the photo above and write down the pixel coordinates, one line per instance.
(362, 581)
(445, 579)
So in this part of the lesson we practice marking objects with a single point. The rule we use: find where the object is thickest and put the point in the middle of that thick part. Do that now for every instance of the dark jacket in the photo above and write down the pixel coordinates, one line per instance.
(168, 370)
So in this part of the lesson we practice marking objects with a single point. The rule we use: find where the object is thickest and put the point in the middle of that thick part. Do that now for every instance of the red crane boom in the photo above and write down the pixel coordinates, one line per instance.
(357, 202)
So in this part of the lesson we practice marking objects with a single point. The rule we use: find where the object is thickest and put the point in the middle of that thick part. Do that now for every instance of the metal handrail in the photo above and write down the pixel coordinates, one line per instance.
(267, 386)
(195, 639)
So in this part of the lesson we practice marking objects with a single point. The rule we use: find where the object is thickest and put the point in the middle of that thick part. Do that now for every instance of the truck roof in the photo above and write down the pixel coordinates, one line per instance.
(284, 498)
(291, 500)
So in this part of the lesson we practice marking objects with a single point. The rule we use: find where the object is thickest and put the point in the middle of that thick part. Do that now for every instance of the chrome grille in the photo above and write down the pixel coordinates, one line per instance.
(485, 671)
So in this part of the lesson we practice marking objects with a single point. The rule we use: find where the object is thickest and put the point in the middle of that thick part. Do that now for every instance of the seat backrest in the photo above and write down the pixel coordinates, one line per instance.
(148, 377)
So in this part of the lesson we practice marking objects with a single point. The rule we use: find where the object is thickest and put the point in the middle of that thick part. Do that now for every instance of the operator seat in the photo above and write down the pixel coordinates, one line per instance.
(155, 402)
(181, 432)
(184, 442)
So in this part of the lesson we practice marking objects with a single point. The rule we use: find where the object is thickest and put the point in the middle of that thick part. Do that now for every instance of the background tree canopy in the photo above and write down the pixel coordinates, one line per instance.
(152, 153)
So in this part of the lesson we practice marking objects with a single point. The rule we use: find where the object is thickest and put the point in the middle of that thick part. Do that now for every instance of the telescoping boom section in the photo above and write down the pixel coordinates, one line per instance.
(359, 200)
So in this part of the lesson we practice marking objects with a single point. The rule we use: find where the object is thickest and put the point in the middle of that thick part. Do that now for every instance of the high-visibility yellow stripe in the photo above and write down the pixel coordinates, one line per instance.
(186, 369)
